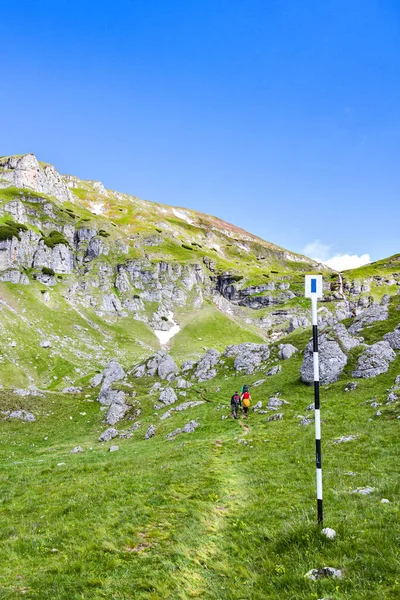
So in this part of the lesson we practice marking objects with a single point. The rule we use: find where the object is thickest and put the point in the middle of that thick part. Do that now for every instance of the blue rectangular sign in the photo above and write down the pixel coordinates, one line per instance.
(313, 286)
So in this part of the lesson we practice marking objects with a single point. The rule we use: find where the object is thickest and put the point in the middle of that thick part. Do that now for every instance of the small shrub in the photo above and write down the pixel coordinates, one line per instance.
(48, 271)
(54, 238)
(11, 229)
(159, 230)
(187, 247)
(164, 318)
(104, 233)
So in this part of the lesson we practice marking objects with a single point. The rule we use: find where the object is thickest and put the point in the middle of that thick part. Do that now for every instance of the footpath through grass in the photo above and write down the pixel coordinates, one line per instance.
(203, 516)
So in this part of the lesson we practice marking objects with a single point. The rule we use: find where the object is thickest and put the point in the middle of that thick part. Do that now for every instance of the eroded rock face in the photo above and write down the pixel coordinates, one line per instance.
(26, 172)
(205, 369)
(114, 399)
(347, 341)
(393, 338)
(168, 396)
(161, 364)
(249, 356)
(375, 312)
(332, 361)
(375, 360)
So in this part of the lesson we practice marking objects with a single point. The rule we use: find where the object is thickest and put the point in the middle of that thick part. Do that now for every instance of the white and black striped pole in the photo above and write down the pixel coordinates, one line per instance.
(313, 290)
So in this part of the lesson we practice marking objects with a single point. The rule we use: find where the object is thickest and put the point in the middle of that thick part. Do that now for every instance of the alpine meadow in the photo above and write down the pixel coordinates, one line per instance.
(126, 328)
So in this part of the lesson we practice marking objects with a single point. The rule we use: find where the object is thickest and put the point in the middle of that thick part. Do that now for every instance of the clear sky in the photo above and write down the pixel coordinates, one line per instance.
(281, 116)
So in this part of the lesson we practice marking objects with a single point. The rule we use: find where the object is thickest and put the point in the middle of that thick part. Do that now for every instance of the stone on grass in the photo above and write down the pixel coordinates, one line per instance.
(351, 386)
(375, 360)
(393, 338)
(385, 501)
(248, 356)
(392, 397)
(257, 406)
(332, 361)
(45, 344)
(108, 434)
(277, 417)
(72, 390)
(77, 450)
(113, 448)
(324, 572)
(22, 415)
(286, 351)
(173, 434)
(276, 402)
(306, 421)
(274, 370)
(205, 368)
(150, 432)
(372, 314)
(329, 533)
(168, 396)
(190, 427)
(257, 383)
(96, 380)
(365, 491)
(345, 438)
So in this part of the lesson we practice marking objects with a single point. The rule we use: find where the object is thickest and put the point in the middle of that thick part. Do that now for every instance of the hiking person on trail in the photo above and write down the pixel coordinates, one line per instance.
(235, 403)
(246, 399)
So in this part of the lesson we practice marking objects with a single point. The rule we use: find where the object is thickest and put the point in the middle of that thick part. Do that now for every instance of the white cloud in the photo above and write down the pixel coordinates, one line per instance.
(340, 262)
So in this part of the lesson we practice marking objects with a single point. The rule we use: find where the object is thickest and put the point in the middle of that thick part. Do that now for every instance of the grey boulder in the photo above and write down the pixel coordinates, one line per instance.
(375, 312)
(332, 361)
(205, 368)
(108, 434)
(248, 356)
(375, 360)
(150, 432)
(286, 351)
(168, 396)
(393, 338)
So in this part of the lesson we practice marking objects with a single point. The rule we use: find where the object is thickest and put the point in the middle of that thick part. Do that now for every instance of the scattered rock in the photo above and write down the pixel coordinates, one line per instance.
(345, 438)
(257, 406)
(371, 315)
(77, 450)
(274, 370)
(205, 367)
(96, 380)
(45, 344)
(392, 397)
(22, 415)
(276, 417)
(316, 574)
(363, 491)
(173, 434)
(249, 356)
(182, 383)
(375, 360)
(150, 432)
(306, 421)
(378, 413)
(311, 406)
(385, 501)
(168, 396)
(72, 390)
(276, 402)
(393, 338)
(257, 383)
(108, 434)
(187, 366)
(113, 448)
(351, 386)
(190, 427)
(286, 351)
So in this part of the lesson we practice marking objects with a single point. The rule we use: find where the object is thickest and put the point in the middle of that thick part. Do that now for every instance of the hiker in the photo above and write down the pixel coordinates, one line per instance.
(245, 399)
(235, 404)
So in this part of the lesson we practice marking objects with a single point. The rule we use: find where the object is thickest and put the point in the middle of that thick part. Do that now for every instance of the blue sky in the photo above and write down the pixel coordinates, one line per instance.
(281, 116)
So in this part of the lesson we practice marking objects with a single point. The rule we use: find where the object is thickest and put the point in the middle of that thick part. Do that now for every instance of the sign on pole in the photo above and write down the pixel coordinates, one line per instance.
(313, 290)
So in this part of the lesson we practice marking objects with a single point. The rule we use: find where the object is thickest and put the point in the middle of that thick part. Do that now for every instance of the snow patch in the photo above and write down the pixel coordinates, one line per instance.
(165, 336)
(181, 215)
(97, 208)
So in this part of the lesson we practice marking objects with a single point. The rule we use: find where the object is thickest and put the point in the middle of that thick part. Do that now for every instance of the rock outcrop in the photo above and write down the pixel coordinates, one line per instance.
(375, 360)
(332, 361)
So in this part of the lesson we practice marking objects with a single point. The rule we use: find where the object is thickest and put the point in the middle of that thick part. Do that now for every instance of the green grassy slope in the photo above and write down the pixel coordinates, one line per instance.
(203, 516)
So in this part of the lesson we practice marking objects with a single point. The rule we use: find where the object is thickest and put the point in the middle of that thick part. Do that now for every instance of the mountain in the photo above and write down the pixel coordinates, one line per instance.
(126, 328)
(93, 273)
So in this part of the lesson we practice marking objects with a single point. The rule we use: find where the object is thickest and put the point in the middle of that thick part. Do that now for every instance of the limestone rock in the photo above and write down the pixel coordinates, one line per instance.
(393, 338)
(190, 427)
(77, 450)
(108, 434)
(375, 360)
(274, 370)
(372, 314)
(150, 432)
(296, 322)
(205, 367)
(276, 417)
(329, 533)
(22, 415)
(249, 356)
(113, 448)
(346, 340)
(168, 396)
(332, 361)
(324, 572)
(286, 351)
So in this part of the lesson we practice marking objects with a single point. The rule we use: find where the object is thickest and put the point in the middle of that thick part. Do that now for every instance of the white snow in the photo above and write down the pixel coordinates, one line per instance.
(165, 336)
(97, 208)
(181, 215)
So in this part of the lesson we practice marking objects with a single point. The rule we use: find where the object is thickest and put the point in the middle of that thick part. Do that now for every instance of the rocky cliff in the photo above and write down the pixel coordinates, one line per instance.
(96, 273)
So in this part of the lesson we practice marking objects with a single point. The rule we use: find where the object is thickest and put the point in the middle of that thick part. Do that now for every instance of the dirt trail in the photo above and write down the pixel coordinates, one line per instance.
(245, 427)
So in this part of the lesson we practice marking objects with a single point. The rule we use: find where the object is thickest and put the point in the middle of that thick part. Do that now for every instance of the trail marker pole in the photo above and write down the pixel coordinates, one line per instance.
(313, 290)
